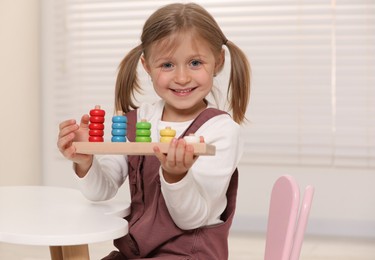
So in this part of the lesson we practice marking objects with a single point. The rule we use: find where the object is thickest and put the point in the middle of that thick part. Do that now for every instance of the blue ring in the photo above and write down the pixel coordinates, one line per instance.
(119, 125)
(118, 139)
(119, 119)
(118, 132)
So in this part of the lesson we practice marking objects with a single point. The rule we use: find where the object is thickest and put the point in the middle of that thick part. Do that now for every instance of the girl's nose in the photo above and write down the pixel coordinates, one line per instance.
(182, 76)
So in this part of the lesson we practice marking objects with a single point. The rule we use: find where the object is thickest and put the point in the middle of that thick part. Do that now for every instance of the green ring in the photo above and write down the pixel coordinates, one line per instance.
(143, 125)
(143, 132)
(143, 139)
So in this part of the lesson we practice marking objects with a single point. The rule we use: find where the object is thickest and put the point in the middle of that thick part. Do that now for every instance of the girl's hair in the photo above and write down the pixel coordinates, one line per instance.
(177, 18)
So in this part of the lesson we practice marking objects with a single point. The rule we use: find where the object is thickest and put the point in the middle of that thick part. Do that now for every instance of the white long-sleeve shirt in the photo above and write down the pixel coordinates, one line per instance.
(200, 197)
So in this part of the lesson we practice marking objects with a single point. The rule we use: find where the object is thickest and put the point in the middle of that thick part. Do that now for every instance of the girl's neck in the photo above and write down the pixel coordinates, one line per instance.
(171, 114)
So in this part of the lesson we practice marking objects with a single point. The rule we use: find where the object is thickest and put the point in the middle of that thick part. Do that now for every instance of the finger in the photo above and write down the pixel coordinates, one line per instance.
(66, 123)
(69, 152)
(180, 153)
(67, 130)
(171, 155)
(85, 119)
(189, 158)
(161, 157)
(64, 142)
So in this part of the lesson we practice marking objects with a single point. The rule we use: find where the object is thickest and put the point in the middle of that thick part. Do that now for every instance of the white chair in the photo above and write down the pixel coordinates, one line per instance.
(286, 221)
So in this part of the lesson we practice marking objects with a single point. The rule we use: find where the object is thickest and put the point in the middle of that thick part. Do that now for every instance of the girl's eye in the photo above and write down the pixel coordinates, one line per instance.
(195, 63)
(167, 65)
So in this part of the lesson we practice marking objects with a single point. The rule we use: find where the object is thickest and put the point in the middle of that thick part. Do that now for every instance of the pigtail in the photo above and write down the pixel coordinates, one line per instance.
(239, 82)
(127, 83)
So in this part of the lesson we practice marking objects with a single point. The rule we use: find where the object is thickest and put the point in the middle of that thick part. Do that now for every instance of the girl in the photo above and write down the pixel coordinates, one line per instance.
(182, 206)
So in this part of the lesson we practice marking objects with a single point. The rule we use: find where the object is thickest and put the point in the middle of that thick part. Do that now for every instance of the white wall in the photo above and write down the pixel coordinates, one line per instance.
(20, 138)
(343, 204)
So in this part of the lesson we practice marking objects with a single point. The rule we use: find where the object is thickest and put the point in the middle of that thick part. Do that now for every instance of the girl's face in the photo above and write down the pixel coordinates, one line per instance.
(182, 77)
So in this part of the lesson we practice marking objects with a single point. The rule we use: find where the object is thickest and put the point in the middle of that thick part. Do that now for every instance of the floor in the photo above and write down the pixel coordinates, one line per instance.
(242, 246)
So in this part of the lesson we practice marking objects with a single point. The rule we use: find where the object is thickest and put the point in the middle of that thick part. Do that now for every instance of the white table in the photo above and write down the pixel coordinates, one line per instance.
(60, 218)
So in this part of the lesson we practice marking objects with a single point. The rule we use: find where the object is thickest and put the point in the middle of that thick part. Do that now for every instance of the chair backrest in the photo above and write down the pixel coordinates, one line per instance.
(286, 223)
(282, 217)
(302, 222)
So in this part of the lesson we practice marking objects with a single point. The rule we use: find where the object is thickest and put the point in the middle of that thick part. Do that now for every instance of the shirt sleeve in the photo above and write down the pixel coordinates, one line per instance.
(105, 177)
(200, 197)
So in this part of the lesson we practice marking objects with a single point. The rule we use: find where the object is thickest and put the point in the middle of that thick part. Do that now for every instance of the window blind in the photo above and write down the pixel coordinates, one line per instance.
(313, 72)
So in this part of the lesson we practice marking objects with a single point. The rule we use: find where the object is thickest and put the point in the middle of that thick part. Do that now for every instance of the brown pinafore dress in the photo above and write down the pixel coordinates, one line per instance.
(152, 232)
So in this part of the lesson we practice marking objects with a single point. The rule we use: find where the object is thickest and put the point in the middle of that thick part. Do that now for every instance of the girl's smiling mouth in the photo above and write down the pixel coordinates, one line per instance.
(183, 92)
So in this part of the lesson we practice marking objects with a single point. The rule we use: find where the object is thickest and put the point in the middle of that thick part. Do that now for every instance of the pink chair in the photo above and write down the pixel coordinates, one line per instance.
(286, 228)
(302, 222)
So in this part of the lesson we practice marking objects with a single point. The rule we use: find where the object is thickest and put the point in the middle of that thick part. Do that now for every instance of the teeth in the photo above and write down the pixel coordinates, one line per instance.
(182, 90)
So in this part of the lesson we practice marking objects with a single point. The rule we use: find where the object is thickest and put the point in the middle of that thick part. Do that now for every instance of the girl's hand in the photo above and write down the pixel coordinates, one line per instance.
(177, 161)
(69, 132)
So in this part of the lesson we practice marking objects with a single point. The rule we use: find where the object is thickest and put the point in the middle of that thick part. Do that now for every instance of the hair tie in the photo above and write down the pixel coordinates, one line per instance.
(225, 41)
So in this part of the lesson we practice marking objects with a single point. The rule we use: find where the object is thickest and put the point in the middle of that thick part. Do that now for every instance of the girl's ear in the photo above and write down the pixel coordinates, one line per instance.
(220, 62)
(145, 64)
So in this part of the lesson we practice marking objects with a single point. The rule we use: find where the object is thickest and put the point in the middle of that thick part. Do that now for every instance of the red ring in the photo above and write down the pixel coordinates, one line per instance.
(96, 126)
(97, 119)
(96, 139)
(96, 132)
(97, 112)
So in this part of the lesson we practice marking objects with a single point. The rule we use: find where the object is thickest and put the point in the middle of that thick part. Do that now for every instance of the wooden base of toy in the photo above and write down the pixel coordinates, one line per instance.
(133, 148)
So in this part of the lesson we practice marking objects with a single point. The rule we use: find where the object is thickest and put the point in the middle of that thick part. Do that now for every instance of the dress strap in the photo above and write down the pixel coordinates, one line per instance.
(202, 118)
(132, 121)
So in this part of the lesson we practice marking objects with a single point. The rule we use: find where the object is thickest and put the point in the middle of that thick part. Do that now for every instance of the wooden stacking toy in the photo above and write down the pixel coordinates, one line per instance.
(119, 126)
(167, 134)
(96, 125)
(143, 132)
(143, 144)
